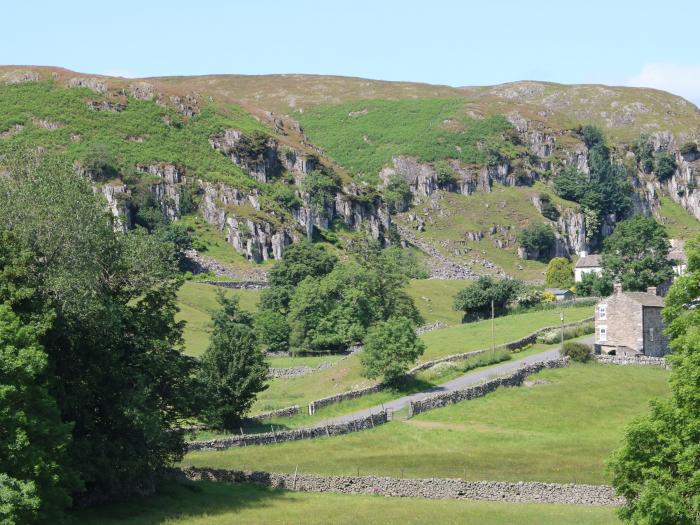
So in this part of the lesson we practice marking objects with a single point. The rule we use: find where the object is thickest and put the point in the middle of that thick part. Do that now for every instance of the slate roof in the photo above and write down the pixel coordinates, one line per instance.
(645, 299)
(589, 261)
(558, 291)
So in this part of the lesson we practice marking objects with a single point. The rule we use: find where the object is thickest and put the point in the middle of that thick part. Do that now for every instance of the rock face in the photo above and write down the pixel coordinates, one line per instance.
(118, 197)
(256, 155)
(166, 190)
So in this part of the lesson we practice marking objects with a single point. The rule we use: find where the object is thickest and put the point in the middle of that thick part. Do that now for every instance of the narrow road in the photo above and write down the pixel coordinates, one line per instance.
(469, 379)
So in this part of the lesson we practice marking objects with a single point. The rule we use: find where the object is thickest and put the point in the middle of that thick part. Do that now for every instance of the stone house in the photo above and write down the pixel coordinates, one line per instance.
(630, 323)
(587, 264)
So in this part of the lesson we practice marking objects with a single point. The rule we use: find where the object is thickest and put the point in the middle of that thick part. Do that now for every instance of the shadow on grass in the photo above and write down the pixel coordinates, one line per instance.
(179, 500)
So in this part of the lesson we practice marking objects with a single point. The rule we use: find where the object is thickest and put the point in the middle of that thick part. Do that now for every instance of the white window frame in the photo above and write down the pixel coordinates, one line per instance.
(603, 334)
(651, 334)
(603, 312)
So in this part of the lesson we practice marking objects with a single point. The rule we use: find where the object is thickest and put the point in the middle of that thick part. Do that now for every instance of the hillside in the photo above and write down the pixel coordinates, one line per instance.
(267, 160)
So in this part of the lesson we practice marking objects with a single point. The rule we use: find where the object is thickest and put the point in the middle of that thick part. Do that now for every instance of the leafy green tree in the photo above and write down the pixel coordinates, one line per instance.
(636, 254)
(538, 240)
(114, 347)
(560, 273)
(594, 285)
(549, 209)
(390, 348)
(321, 189)
(233, 369)
(35, 481)
(272, 330)
(476, 299)
(664, 165)
(657, 469)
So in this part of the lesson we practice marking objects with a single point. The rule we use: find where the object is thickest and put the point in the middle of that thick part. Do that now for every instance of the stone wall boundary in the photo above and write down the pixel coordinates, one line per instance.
(343, 396)
(238, 285)
(512, 345)
(433, 488)
(513, 379)
(295, 434)
(641, 360)
(280, 412)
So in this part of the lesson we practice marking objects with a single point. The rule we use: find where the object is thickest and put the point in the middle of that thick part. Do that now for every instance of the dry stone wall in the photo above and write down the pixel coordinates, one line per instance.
(434, 488)
(641, 360)
(271, 438)
(280, 412)
(514, 379)
(352, 394)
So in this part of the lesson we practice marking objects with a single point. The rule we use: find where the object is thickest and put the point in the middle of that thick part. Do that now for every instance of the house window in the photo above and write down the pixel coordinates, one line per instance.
(651, 334)
(602, 311)
(602, 334)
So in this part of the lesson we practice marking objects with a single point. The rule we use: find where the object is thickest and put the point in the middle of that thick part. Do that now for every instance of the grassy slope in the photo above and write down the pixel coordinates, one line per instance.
(207, 503)
(434, 299)
(196, 302)
(346, 375)
(185, 144)
(561, 431)
(458, 214)
(679, 223)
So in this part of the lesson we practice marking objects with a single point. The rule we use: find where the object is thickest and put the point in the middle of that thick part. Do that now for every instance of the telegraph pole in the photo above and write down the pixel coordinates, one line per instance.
(561, 318)
(493, 330)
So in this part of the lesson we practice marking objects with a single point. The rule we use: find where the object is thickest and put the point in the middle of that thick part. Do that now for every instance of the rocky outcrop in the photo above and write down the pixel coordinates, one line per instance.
(166, 191)
(257, 155)
(118, 200)
(106, 105)
(95, 84)
(259, 241)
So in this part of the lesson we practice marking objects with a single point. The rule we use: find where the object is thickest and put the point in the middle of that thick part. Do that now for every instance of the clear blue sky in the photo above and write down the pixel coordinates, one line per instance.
(437, 41)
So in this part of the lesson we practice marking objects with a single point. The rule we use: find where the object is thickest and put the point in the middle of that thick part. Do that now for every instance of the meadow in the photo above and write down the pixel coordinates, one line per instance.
(561, 428)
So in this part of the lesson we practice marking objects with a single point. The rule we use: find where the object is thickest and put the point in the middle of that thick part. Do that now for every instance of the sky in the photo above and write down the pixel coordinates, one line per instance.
(641, 43)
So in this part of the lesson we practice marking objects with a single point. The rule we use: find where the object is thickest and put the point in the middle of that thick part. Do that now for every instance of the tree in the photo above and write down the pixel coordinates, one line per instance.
(233, 370)
(321, 189)
(560, 273)
(390, 348)
(664, 165)
(657, 468)
(35, 481)
(548, 208)
(636, 254)
(594, 285)
(538, 240)
(272, 330)
(476, 299)
(113, 347)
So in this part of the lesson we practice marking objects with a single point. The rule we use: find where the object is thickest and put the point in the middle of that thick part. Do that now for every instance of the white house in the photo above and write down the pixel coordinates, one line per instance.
(587, 264)
(678, 256)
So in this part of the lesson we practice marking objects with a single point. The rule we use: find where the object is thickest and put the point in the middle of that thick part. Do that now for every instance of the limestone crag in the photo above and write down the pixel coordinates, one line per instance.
(258, 156)
(166, 191)
(118, 200)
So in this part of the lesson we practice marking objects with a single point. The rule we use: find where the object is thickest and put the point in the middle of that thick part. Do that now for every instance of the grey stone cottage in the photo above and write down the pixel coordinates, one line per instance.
(629, 324)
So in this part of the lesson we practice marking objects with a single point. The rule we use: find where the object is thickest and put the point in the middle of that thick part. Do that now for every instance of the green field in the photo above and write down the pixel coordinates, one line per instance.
(196, 301)
(561, 431)
(434, 298)
(346, 375)
(207, 503)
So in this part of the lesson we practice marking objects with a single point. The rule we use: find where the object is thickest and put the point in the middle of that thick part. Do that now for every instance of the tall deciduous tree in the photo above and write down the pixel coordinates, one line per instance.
(35, 480)
(658, 467)
(233, 369)
(114, 345)
(476, 299)
(637, 254)
(560, 273)
(390, 348)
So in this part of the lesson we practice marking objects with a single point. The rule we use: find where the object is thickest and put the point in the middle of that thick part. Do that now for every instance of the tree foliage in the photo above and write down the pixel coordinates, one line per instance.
(636, 254)
(594, 285)
(35, 478)
(560, 273)
(397, 194)
(390, 348)
(475, 300)
(658, 467)
(233, 368)
(538, 240)
(664, 165)
(113, 346)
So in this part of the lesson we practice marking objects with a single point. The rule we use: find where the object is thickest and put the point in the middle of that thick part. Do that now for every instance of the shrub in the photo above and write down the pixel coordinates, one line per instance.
(664, 165)
(689, 148)
(549, 210)
(537, 240)
(397, 194)
(560, 273)
(576, 351)
(390, 348)
(549, 337)
(475, 300)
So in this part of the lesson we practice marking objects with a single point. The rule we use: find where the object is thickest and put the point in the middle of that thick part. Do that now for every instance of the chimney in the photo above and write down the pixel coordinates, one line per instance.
(651, 290)
(582, 253)
(617, 287)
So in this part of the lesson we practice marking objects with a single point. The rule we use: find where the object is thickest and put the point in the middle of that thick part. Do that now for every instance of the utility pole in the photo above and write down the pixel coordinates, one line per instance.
(561, 317)
(493, 330)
